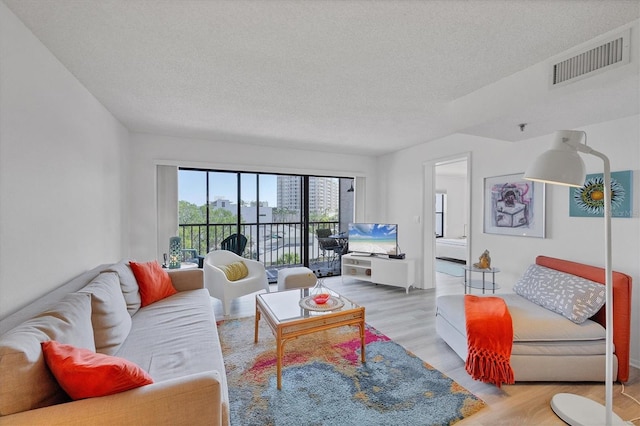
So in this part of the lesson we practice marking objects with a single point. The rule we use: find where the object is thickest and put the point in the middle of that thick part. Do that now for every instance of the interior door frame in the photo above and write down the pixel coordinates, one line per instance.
(429, 185)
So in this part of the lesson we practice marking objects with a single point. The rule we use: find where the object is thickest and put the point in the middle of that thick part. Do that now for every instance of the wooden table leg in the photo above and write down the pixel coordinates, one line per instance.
(362, 340)
(255, 333)
(279, 350)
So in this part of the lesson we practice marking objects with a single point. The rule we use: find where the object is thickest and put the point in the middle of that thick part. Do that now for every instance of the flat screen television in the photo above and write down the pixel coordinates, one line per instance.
(373, 238)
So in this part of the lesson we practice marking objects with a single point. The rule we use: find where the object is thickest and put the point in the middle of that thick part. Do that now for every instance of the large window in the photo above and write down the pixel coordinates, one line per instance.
(276, 214)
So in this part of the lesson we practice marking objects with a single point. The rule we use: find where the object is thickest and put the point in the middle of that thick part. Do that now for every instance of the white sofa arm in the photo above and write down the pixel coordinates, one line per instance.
(190, 400)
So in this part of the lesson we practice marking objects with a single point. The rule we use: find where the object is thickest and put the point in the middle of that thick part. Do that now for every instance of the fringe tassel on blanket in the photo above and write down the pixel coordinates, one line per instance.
(489, 340)
(487, 367)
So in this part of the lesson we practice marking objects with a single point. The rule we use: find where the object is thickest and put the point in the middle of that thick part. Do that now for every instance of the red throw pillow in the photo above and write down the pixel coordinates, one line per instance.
(153, 281)
(83, 373)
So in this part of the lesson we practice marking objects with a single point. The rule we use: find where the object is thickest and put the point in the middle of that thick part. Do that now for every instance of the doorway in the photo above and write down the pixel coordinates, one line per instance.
(452, 213)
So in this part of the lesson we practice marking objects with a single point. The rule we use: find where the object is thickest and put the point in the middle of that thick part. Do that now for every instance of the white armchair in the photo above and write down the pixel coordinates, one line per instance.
(215, 280)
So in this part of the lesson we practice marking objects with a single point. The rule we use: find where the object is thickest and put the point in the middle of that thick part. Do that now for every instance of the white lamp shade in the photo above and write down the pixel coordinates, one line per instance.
(561, 164)
(559, 167)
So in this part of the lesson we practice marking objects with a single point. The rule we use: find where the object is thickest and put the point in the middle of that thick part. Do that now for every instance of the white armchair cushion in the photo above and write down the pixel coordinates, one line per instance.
(235, 270)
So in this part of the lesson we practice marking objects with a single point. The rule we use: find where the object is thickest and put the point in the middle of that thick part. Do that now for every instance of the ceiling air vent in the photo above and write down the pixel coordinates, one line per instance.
(604, 56)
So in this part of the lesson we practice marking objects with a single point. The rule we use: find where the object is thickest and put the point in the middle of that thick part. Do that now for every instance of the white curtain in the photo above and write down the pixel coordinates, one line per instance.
(167, 208)
(360, 200)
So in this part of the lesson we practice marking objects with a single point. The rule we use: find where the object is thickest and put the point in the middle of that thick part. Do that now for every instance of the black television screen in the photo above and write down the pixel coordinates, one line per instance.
(373, 238)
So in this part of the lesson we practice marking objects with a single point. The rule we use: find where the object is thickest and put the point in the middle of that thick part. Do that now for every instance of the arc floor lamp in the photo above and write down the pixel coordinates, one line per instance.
(563, 165)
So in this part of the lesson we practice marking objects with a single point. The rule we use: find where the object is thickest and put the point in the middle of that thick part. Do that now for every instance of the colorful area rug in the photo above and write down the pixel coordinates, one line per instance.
(449, 268)
(324, 383)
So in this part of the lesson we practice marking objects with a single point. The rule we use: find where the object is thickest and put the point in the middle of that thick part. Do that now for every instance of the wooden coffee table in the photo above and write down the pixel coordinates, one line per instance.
(288, 320)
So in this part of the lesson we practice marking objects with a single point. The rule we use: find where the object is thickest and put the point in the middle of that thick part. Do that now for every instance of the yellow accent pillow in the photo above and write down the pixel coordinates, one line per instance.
(235, 271)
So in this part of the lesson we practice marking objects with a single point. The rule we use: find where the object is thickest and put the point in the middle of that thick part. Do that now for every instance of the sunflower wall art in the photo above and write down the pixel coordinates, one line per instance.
(588, 200)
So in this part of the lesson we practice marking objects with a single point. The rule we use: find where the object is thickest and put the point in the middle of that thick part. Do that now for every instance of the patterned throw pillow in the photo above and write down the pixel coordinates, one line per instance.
(235, 271)
(574, 297)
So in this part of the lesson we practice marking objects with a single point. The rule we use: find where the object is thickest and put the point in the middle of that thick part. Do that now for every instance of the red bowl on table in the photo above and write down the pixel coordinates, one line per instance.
(322, 298)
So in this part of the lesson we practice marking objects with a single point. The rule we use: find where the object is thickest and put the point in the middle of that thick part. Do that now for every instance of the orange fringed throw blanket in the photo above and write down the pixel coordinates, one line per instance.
(489, 340)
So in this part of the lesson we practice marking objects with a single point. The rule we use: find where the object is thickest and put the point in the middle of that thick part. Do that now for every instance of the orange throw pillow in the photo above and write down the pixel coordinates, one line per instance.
(153, 281)
(83, 373)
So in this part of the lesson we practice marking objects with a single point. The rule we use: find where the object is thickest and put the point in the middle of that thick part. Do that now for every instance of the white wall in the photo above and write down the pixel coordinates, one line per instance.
(572, 238)
(61, 174)
(148, 150)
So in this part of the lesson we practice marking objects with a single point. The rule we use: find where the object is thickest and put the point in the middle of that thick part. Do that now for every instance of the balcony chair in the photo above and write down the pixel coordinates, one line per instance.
(222, 288)
(190, 255)
(235, 243)
(327, 244)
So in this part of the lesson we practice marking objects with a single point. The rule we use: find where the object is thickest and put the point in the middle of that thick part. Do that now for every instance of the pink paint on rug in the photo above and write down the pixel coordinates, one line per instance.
(351, 348)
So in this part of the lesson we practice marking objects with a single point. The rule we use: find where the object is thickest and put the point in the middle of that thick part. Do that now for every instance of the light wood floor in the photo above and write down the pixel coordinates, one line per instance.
(410, 321)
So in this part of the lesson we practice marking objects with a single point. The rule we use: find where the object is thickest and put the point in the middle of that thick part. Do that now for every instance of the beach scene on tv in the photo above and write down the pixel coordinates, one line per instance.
(373, 238)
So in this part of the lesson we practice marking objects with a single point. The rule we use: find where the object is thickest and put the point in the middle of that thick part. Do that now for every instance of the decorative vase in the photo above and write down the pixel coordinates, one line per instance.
(319, 293)
(174, 253)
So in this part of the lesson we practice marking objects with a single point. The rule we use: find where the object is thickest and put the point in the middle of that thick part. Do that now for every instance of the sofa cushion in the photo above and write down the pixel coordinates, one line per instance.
(153, 281)
(27, 383)
(128, 284)
(575, 298)
(235, 270)
(175, 337)
(83, 373)
(531, 322)
(109, 316)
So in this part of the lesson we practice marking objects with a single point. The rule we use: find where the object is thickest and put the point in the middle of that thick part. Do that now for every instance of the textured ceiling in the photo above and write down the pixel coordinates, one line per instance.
(349, 76)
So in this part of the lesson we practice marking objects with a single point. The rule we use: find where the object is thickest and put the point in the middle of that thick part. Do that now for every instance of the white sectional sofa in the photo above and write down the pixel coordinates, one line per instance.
(174, 340)
(548, 346)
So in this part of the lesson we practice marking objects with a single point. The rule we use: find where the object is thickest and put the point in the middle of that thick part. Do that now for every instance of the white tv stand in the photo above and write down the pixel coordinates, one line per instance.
(379, 270)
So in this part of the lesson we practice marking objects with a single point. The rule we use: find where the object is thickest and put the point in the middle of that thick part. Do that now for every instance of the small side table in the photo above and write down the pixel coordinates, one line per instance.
(481, 284)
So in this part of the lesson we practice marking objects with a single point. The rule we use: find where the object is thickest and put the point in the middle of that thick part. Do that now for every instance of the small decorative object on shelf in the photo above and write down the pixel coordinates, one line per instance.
(174, 253)
(485, 261)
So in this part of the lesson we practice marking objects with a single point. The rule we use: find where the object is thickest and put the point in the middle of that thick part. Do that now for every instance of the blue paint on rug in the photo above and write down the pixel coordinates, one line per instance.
(323, 385)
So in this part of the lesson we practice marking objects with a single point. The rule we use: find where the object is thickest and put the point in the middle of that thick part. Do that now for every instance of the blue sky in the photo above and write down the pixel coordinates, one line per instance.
(192, 187)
